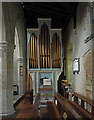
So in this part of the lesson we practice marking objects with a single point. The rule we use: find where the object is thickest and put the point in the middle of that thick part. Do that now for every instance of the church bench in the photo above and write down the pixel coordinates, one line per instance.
(28, 96)
(35, 107)
(45, 89)
(65, 106)
(79, 108)
(80, 102)
(52, 111)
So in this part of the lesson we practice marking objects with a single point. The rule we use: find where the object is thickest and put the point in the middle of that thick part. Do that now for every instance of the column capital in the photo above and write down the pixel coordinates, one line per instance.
(7, 47)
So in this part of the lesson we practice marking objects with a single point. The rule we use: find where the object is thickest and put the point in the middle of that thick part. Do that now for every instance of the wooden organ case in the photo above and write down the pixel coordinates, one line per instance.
(44, 53)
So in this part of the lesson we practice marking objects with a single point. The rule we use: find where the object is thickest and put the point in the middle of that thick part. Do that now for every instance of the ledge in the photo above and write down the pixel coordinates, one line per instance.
(17, 101)
(45, 70)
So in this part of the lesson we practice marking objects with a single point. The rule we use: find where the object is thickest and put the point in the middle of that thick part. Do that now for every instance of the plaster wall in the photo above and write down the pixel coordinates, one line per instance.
(76, 37)
(1, 21)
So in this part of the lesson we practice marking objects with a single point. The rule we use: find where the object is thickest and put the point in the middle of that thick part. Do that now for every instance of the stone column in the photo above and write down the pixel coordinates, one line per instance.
(6, 78)
(21, 76)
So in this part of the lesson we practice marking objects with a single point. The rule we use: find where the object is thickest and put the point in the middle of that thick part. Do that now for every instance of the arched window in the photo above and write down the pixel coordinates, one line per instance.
(56, 52)
(33, 52)
(44, 47)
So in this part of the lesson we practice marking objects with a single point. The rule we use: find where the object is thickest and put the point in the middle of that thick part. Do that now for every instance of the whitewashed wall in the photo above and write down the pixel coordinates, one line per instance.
(80, 49)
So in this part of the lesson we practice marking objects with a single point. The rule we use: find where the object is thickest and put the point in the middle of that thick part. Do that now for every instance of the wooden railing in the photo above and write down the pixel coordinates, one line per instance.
(72, 109)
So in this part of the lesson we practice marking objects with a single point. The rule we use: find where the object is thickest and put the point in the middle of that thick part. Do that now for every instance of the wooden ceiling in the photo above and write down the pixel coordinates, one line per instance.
(60, 12)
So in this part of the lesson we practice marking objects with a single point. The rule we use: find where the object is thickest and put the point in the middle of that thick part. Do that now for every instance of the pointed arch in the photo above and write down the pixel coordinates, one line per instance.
(44, 47)
(56, 51)
(33, 52)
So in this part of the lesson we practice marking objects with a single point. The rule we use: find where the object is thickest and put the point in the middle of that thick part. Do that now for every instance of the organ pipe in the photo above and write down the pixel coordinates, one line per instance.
(33, 52)
(44, 43)
(44, 47)
(56, 52)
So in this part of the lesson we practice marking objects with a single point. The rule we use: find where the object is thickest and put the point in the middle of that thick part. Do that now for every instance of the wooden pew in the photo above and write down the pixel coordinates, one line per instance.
(35, 107)
(66, 107)
(29, 96)
(45, 89)
(52, 111)
(81, 107)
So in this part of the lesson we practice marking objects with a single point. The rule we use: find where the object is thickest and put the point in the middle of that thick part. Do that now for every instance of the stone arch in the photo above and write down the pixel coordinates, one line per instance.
(20, 25)
(15, 12)
(21, 58)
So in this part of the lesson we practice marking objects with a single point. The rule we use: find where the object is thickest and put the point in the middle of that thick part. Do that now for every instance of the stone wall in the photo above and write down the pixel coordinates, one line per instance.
(82, 82)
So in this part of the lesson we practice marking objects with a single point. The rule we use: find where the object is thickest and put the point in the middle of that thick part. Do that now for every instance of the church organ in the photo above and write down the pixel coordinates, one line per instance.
(44, 53)
(49, 46)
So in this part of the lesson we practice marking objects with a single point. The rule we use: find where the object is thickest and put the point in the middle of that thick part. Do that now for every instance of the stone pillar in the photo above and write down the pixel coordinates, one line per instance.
(21, 76)
(6, 78)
